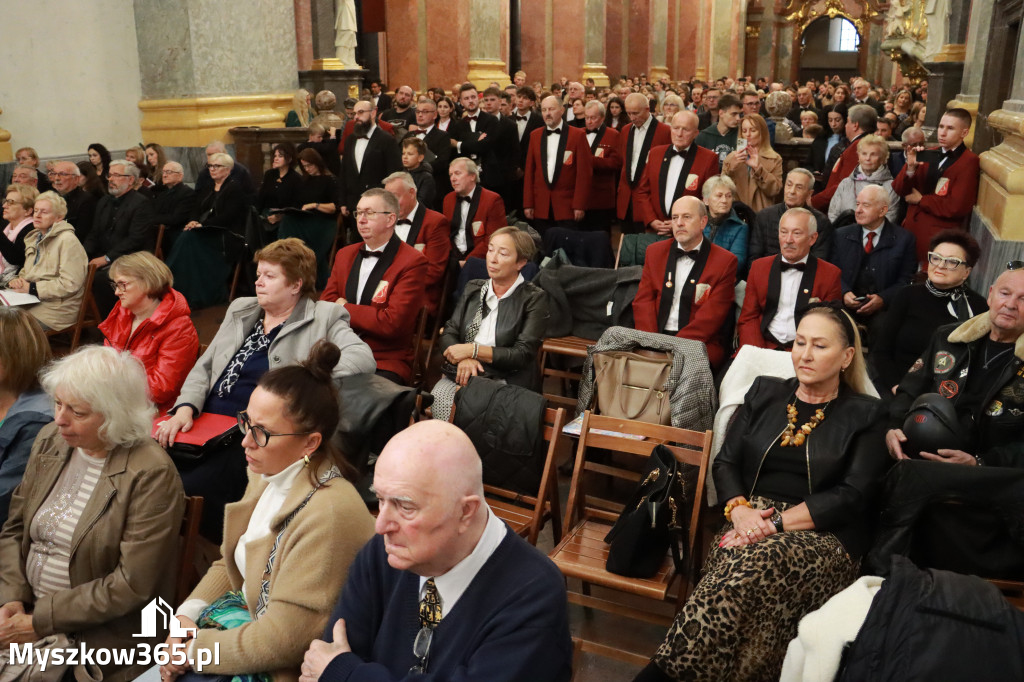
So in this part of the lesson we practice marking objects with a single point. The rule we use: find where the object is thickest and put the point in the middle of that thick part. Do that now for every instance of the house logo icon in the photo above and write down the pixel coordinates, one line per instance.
(158, 616)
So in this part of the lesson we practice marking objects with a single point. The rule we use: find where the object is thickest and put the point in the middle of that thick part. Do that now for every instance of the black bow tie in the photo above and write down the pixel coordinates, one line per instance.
(793, 266)
(556, 131)
(689, 254)
(466, 199)
(404, 221)
(362, 137)
(363, 253)
(672, 151)
(471, 118)
(522, 118)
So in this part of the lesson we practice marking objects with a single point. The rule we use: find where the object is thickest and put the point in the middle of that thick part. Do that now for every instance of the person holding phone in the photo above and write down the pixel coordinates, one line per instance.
(755, 167)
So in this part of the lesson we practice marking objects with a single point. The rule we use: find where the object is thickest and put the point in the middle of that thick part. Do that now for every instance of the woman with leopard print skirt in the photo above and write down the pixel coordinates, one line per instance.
(799, 470)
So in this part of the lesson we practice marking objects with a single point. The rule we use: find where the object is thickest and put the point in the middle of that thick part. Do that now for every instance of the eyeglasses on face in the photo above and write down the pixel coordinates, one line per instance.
(9, 202)
(260, 435)
(120, 284)
(215, 165)
(118, 175)
(370, 214)
(939, 261)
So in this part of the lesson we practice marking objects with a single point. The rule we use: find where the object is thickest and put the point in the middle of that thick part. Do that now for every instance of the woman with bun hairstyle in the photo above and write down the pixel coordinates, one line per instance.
(300, 513)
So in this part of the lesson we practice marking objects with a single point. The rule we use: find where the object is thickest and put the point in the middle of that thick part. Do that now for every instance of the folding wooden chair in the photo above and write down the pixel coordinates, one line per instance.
(569, 347)
(158, 250)
(419, 363)
(88, 313)
(582, 552)
(188, 575)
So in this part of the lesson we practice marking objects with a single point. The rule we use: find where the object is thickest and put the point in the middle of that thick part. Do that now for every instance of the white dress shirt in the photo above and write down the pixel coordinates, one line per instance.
(521, 125)
(675, 168)
(453, 584)
(366, 266)
(783, 325)
(552, 144)
(403, 230)
(638, 142)
(683, 268)
(878, 235)
(591, 135)
(489, 325)
(460, 235)
(360, 149)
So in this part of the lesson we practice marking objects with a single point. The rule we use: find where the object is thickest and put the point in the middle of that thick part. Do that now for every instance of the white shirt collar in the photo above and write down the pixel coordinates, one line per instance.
(802, 260)
(492, 298)
(282, 481)
(452, 585)
(412, 214)
(646, 124)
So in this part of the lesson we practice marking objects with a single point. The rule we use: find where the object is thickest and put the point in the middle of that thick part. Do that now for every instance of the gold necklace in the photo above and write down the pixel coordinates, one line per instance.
(792, 437)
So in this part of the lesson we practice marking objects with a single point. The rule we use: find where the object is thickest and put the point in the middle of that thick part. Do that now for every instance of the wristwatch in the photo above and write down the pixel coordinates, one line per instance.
(776, 520)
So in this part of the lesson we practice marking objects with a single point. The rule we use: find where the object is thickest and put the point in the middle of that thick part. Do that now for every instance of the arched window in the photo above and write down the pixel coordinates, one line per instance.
(842, 35)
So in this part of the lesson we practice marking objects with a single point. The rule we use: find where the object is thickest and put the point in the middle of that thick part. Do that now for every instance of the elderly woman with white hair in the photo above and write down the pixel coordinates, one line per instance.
(725, 228)
(55, 265)
(94, 524)
(872, 169)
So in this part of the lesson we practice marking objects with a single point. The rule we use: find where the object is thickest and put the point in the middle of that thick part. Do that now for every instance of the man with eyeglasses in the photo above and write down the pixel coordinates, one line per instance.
(381, 281)
(370, 155)
(176, 206)
(239, 173)
(124, 223)
(81, 204)
(438, 142)
(445, 590)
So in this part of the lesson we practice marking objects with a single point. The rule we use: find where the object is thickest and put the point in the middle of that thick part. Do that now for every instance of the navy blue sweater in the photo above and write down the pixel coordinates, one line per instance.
(510, 623)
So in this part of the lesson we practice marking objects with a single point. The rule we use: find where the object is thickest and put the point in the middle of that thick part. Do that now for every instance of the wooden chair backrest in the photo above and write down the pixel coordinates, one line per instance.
(618, 250)
(158, 250)
(187, 577)
(688, 447)
(88, 313)
(418, 361)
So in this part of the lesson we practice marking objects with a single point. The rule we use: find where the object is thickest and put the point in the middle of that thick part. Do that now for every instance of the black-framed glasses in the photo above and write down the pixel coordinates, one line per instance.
(215, 165)
(370, 214)
(119, 285)
(944, 262)
(1015, 265)
(260, 435)
(421, 648)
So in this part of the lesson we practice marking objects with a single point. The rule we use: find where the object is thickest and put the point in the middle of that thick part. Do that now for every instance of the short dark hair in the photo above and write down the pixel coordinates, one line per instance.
(527, 92)
(492, 92)
(287, 150)
(962, 239)
(466, 87)
(962, 115)
(413, 141)
(728, 101)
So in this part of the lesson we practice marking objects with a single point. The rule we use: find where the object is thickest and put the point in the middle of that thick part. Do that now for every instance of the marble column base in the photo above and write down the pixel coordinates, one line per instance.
(1001, 190)
(344, 83)
(599, 72)
(483, 71)
(658, 72)
(196, 121)
(6, 154)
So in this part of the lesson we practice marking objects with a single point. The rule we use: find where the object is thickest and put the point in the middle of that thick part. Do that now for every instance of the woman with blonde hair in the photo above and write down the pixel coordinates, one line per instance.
(18, 203)
(300, 115)
(755, 168)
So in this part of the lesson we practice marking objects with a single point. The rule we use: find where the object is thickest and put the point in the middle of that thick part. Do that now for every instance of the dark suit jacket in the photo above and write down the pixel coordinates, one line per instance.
(239, 173)
(176, 206)
(708, 310)
(383, 103)
(796, 110)
(657, 134)
(607, 165)
(649, 196)
(846, 164)
(439, 143)
(946, 204)
(385, 316)
(533, 122)
(571, 186)
(347, 131)
(892, 261)
(494, 173)
(122, 225)
(764, 233)
(381, 159)
(761, 300)
(486, 214)
(506, 149)
(81, 211)
(430, 234)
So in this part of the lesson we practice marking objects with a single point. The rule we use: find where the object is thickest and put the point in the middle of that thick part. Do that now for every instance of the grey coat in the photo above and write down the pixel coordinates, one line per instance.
(845, 198)
(309, 322)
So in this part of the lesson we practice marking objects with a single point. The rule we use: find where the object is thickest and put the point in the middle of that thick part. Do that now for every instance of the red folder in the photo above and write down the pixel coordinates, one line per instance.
(204, 428)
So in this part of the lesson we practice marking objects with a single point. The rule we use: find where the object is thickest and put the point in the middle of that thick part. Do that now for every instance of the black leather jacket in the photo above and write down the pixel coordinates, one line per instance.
(846, 454)
(522, 325)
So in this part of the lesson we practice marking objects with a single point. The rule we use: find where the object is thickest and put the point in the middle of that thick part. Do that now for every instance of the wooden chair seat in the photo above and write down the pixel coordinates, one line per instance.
(1012, 590)
(567, 346)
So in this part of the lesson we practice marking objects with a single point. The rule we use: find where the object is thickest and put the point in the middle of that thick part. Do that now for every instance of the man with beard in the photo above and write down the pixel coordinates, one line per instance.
(402, 114)
(370, 156)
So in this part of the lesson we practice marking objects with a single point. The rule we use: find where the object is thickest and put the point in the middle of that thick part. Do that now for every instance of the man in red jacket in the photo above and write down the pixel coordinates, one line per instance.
(672, 171)
(862, 120)
(941, 191)
(474, 212)
(604, 147)
(688, 284)
(779, 286)
(426, 231)
(380, 283)
(636, 140)
(558, 171)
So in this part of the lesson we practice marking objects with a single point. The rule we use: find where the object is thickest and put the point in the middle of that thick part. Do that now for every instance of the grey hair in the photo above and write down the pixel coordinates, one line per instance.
(174, 166)
(35, 173)
(812, 222)
(802, 171)
(224, 159)
(389, 199)
(865, 116)
(912, 131)
(468, 165)
(714, 181)
(112, 383)
(403, 177)
(595, 104)
(216, 145)
(129, 167)
(878, 193)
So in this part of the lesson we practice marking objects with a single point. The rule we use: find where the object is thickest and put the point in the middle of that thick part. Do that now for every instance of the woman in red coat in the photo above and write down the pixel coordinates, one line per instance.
(152, 321)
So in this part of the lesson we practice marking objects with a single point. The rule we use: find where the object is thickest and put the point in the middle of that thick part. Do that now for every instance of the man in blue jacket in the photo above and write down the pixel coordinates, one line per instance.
(445, 591)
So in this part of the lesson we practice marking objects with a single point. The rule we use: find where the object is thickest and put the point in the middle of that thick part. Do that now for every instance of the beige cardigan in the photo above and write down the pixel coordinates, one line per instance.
(59, 274)
(758, 189)
(310, 569)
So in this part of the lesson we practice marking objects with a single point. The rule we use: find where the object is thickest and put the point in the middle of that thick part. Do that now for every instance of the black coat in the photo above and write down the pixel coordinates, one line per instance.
(846, 455)
(764, 233)
(225, 208)
(176, 206)
(122, 225)
(890, 265)
(81, 211)
(484, 151)
(381, 159)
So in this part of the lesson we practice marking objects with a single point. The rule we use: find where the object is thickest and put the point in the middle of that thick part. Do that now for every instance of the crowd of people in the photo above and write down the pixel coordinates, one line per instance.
(448, 201)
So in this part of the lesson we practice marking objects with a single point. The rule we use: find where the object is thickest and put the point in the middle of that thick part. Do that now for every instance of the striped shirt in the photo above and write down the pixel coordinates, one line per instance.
(54, 524)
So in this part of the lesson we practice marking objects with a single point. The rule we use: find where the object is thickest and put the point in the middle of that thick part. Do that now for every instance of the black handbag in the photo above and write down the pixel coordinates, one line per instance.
(653, 521)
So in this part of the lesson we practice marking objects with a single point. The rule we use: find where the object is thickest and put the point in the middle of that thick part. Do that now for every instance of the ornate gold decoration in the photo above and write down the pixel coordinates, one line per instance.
(907, 18)
(599, 72)
(753, 32)
(194, 121)
(803, 12)
(911, 69)
(483, 71)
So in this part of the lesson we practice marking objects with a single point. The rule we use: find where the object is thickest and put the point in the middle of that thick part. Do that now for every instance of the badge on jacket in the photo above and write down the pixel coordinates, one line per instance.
(942, 187)
(691, 182)
(599, 153)
(702, 293)
(478, 228)
(567, 158)
(381, 293)
(420, 247)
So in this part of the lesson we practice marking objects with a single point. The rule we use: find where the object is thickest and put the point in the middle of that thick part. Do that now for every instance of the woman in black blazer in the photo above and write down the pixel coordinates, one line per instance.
(497, 326)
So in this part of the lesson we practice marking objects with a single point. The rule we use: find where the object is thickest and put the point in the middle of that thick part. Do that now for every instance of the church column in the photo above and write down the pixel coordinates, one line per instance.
(593, 43)
(197, 84)
(5, 145)
(658, 54)
(485, 41)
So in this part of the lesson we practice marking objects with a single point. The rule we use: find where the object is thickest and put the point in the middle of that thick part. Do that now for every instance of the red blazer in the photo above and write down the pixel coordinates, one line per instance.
(944, 208)
(385, 317)
(347, 130)
(650, 192)
(846, 164)
(821, 285)
(572, 175)
(430, 234)
(607, 165)
(657, 134)
(708, 311)
(486, 214)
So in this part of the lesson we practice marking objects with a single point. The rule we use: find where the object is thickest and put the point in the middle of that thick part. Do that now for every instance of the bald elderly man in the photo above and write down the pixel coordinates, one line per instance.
(445, 590)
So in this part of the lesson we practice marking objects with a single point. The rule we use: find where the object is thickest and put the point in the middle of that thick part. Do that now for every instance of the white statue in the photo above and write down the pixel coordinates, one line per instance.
(345, 27)
(897, 11)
